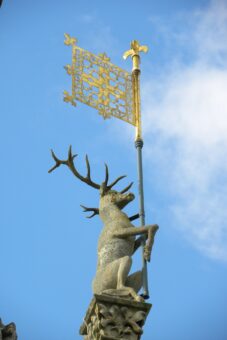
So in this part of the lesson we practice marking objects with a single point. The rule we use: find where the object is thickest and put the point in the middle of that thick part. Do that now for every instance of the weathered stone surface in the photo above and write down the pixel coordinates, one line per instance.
(8, 332)
(117, 244)
(114, 318)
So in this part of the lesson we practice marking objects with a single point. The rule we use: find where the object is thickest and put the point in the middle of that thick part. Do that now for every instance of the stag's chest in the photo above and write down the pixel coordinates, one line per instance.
(111, 248)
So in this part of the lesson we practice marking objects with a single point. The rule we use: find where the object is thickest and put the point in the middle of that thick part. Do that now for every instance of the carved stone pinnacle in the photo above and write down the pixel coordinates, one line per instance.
(114, 318)
(8, 332)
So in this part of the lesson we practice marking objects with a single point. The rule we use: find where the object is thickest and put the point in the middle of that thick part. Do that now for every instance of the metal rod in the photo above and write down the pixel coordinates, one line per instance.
(134, 217)
(139, 146)
(134, 53)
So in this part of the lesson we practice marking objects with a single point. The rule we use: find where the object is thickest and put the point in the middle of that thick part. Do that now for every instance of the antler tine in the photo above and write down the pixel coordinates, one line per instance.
(58, 162)
(70, 155)
(86, 179)
(127, 188)
(88, 167)
(95, 211)
(115, 182)
(107, 175)
(70, 163)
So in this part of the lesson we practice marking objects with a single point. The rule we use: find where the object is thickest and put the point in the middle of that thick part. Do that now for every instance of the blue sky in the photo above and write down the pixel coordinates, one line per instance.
(48, 247)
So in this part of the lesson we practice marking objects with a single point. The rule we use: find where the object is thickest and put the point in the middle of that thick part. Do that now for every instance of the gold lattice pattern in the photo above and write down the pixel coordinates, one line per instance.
(99, 84)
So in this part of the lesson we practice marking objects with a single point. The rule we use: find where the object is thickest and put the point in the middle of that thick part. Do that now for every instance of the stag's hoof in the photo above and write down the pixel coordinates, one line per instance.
(139, 298)
(147, 253)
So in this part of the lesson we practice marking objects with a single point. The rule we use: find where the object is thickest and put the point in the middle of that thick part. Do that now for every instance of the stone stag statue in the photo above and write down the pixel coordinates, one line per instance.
(117, 242)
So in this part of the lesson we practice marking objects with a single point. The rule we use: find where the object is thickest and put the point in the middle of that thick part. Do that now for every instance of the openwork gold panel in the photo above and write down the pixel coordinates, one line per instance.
(100, 84)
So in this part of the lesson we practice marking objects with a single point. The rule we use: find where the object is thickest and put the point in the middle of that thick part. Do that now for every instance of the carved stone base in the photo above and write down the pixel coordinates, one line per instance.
(8, 332)
(114, 318)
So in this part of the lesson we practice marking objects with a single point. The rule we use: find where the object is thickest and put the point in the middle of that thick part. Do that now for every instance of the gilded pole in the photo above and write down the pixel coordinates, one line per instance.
(134, 54)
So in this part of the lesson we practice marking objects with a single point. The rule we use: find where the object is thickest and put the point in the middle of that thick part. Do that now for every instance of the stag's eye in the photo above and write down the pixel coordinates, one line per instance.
(113, 197)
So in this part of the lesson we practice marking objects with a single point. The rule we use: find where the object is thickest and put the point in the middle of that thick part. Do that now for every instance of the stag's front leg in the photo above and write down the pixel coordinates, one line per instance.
(149, 232)
(150, 241)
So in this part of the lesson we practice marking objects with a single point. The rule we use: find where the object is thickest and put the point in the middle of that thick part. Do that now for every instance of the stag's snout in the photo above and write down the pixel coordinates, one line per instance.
(124, 199)
(130, 196)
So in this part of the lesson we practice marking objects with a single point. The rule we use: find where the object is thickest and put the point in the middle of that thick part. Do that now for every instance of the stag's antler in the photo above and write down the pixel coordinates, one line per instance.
(95, 211)
(127, 188)
(70, 163)
(107, 187)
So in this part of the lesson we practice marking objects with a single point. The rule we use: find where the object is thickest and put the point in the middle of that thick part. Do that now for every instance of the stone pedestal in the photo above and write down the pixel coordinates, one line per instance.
(113, 318)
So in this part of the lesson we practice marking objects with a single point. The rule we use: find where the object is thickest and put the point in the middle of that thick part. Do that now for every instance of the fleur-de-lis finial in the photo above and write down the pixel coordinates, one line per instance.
(135, 49)
(134, 53)
(69, 40)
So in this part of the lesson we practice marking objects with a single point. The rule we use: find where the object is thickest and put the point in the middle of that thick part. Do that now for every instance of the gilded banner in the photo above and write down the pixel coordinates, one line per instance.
(100, 84)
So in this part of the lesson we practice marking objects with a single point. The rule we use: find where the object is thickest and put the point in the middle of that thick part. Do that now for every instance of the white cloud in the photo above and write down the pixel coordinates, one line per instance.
(186, 119)
(211, 33)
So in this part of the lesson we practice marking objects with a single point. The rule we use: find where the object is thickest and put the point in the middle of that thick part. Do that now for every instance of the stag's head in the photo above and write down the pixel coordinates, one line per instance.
(113, 197)
(108, 197)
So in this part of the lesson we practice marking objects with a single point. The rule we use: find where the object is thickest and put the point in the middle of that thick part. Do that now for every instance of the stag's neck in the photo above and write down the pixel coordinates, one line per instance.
(112, 212)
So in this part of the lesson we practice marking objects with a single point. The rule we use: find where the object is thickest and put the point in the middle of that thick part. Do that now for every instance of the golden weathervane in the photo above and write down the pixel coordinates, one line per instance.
(113, 92)
(99, 84)
(104, 86)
